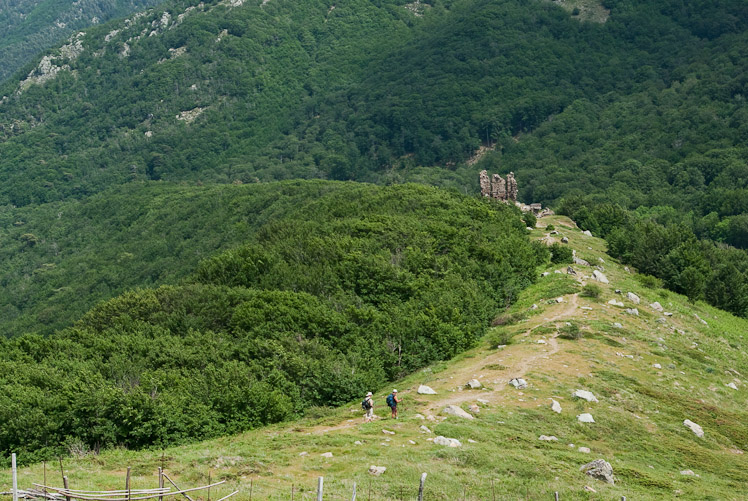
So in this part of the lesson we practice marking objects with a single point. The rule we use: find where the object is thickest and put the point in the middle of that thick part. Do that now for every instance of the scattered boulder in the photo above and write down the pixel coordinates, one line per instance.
(388, 432)
(618, 291)
(326, 454)
(555, 407)
(585, 395)
(688, 473)
(600, 277)
(483, 401)
(426, 390)
(599, 469)
(700, 319)
(546, 438)
(698, 430)
(411, 442)
(656, 306)
(448, 442)
(617, 326)
(616, 303)
(358, 442)
(632, 311)
(377, 470)
(471, 441)
(474, 409)
(541, 341)
(545, 273)
(456, 411)
(668, 314)
(657, 366)
(633, 298)
(425, 429)
(570, 271)
(580, 261)
(732, 385)
(585, 418)
(534, 307)
(474, 384)
(303, 453)
(602, 261)
(518, 383)
(587, 232)
(661, 320)
(584, 450)
(420, 416)
(559, 300)
(587, 488)
(564, 240)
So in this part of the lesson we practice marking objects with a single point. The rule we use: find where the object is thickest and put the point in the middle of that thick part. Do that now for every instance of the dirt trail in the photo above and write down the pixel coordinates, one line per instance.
(517, 359)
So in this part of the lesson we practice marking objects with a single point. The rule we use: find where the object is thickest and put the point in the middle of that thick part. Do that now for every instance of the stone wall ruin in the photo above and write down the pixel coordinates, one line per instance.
(497, 187)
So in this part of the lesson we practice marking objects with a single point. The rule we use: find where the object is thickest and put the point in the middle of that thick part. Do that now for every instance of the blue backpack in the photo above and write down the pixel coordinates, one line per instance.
(391, 400)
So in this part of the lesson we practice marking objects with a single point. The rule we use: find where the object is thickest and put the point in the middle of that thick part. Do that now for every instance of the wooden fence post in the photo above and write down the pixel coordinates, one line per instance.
(420, 488)
(65, 484)
(354, 492)
(555, 496)
(127, 483)
(15, 476)
(320, 483)
(160, 481)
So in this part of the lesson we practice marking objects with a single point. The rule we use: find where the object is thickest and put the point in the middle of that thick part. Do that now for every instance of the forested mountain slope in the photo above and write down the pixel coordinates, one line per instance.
(28, 27)
(653, 99)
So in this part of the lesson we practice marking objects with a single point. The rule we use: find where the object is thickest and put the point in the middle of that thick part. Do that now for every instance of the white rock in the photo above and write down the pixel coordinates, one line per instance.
(419, 416)
(426, 390)
(545, 273)
(326, 455)
(585, 450)
(586, 308)
(689, 473)
(599, 469)
(474, 409)
(453, 410)
(555, 406)
(633, 297)
(425, 429)
(377, 470)
(616, 303)
(449, 442)
(547, 438)
(600, 277)
(541, 341)
(534, 307)
(559, 300)
(587, 232)
(303, 453)
(617, 325)
(632, 311)
(388, 432)
(411, 442)
(471, 441)
(585, 395)
(698, 430)
(589, 489)
(357, 442)
(474, 384)
(518, 383)
(585, 418)
(482, 401)
(668, 314)
(732, 385)
(657, 366)
(656, 306)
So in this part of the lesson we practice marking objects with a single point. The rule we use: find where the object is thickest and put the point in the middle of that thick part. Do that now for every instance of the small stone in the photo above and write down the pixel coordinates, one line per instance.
(586, 308)
(377, 470)
(731, 385)
(547, 438)
(602, 261)
(303, 453)
(559, 300)
(688, 473)
(617, 326)
(632, 311)
(545, 273)
(449, 442)
(585, 395)
(661, 320)
(555, 406)
(616, 303)
(518, 383)
(585, 418)
(668, 314)
(534, 307)
(357, 442)
(482, 401)
(657, 366)
(541, 341)
(411, 442)
(600, 277)
(419, 416)
(456, 411)
(587, 232)
(698, 430)
(656, 306)
(599, 469)
(474, 384)
(585, 450)
(474, 409)
(633, 298)
(388, 432)
(426, 390)
(589, 489)
(471, 441)
(326, 455)
(424, 429)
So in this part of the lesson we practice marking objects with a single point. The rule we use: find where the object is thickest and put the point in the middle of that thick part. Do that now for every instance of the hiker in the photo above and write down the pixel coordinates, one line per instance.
(392, 401)
(368, 406)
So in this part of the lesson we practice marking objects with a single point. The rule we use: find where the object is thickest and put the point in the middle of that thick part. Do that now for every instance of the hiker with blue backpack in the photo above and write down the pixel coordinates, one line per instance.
(392, 401)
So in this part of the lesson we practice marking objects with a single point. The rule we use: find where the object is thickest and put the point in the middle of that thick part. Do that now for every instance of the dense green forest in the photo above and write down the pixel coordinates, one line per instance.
(647, 108)
(351, 287)
(28, 27)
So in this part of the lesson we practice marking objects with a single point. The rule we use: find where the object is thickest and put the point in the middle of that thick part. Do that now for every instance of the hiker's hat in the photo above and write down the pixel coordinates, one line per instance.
(394, 391)
(369, 394)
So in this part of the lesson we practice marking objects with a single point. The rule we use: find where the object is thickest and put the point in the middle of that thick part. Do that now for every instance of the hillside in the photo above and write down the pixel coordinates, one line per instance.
(388, 91)
(345, 286)
(28, 27)
(649, 374)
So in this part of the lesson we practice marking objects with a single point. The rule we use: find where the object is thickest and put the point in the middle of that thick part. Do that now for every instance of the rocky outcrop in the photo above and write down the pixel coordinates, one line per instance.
(485, 184)
(599, 469)
(511, 187)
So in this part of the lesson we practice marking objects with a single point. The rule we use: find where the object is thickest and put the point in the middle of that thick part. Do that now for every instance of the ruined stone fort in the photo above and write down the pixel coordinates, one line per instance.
(497, 187)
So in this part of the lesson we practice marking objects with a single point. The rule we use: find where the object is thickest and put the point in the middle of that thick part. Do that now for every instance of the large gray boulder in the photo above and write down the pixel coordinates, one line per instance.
(599, 469)
(698, 430)
(518, 383)
(456, 411)
(585, 395)
(426, 390)
(600, 277)
(448, 442)
(474, 384)
(633, 298)
(585, 418)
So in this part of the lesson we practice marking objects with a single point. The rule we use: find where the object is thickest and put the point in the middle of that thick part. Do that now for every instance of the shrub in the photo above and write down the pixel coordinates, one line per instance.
(591, 290)
(560, 254)
(649, 281)
(529, 219)
(570, 331)
(550, 227)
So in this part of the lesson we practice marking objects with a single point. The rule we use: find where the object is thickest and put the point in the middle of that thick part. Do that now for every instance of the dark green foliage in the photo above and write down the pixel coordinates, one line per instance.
(550, 227)
(560, 254)
(570, 331)
(672, 255)
(345, 287)
(648, 281)
(591, 290)
(529, 219)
